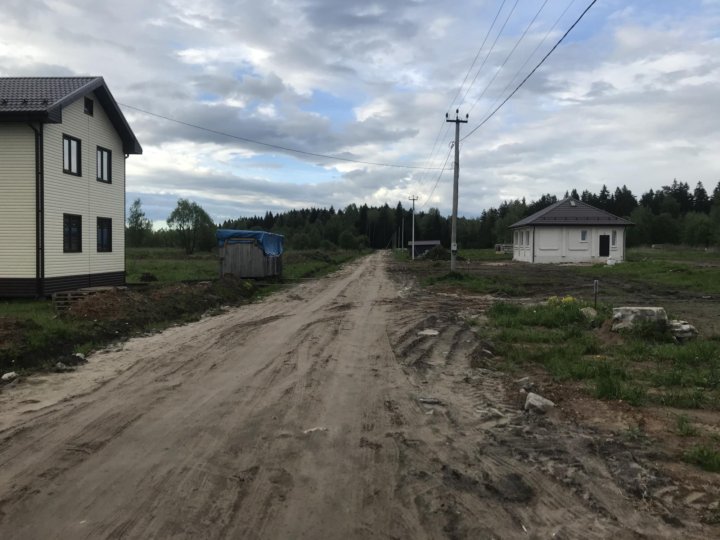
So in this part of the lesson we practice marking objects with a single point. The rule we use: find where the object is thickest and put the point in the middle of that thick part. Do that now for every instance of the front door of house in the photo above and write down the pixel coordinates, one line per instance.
(604, 245)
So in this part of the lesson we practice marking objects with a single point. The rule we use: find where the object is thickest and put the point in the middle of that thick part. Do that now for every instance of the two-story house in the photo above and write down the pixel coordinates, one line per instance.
(63, 145)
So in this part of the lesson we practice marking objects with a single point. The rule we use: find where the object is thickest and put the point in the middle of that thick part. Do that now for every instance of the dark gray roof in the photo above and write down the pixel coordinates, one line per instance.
(571, 212)
(42, 99)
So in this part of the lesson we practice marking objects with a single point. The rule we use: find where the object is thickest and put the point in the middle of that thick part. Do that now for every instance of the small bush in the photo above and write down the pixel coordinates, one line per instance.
(685, 428)
(704, 457)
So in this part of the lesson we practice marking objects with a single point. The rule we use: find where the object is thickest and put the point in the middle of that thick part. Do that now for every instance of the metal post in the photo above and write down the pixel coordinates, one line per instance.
(413, 199)
(456, 178)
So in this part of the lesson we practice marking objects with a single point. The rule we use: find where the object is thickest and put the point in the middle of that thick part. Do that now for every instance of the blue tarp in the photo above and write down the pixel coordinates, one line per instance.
(272, 244)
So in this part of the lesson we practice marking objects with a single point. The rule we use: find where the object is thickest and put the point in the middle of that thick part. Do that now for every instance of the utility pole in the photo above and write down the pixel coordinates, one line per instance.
(413, 199)
(456, 177)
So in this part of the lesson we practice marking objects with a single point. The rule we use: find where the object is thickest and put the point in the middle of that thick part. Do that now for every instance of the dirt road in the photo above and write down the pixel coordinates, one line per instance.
(300, 417)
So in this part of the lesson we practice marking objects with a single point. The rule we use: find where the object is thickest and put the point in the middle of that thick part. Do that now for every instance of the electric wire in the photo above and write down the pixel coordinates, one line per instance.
(542, 61)
(277, 146)
(442, 170)
(487, 35)
(492, 47)
(540, 44)
(459, 90)
(517, 43)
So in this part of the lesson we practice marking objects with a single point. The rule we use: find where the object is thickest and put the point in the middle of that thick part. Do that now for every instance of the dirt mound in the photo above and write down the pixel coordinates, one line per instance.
(438, 253)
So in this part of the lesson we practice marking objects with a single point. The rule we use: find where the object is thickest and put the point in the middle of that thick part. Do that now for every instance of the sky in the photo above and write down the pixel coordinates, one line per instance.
(630, 97)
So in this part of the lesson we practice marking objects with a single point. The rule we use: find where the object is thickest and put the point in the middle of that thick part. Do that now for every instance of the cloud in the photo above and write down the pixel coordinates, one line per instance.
(627, 99)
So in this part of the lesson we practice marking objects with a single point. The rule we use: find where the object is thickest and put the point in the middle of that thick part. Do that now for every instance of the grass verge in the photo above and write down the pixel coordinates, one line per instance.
(33, 335)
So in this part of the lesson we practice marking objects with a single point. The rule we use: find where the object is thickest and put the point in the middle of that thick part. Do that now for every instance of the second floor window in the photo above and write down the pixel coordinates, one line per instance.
(71, 155)
(104, 165)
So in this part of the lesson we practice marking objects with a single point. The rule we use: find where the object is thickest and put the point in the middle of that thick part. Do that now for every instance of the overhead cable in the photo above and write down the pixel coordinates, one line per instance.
(487, 35)
(492, 47)
(537, 47)
(276, 146)
(498, 70)
(489, 116)
(439, 176)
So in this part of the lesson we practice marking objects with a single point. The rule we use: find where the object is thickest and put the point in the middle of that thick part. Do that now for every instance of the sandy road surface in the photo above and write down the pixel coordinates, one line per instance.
(298, 417)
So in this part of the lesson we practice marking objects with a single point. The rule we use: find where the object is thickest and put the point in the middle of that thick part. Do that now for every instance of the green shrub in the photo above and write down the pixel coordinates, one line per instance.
(704, 457)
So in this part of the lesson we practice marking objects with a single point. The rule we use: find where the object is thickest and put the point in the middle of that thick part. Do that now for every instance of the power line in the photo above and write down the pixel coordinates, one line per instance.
(276, 146)
(527, 28)
(443, 125)
(492, 47)
(442, 170)
(509, 84)
(488, 117)
(487, 35)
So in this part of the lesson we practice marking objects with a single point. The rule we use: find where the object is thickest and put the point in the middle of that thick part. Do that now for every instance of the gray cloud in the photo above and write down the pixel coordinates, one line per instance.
(628, 99)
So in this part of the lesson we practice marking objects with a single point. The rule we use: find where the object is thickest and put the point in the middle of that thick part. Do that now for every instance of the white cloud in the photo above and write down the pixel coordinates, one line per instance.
(628, 99)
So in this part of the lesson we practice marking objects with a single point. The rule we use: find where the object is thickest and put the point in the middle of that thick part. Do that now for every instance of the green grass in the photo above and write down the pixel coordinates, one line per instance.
(703, 456)
(32, 334)
(685, 427)
(677, 275)
(304, 264)
(170, 265)
(673, 253)
(640, 370)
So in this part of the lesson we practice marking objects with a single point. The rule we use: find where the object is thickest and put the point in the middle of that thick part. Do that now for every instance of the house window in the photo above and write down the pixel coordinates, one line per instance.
(89, 105)
(516, 239)
(72, 233)
(614, 238)
(71, 155)
(104, 234)
(527, 238)
(583, 236)
(104, 165)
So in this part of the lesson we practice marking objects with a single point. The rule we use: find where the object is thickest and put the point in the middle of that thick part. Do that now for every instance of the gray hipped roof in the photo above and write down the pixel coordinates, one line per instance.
(33, 99)
(571, 212)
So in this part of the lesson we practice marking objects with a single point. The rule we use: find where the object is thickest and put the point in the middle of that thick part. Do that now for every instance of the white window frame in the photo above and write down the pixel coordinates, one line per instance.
(583, 235)
(613, 238)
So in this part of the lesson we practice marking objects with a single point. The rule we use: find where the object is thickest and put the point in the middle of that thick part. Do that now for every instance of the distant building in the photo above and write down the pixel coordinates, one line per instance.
(422, 246)
(569, 231)
(63, 144)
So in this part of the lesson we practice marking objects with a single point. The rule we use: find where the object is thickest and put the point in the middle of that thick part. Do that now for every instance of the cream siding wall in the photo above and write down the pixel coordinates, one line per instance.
(83, 195)
(565, 244)
(17, 201)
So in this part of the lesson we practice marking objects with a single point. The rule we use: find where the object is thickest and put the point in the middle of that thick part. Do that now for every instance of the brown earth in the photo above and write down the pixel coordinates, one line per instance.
(321, 413)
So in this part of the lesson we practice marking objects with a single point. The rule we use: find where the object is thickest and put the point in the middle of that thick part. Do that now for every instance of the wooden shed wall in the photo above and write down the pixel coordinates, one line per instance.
(248, 261)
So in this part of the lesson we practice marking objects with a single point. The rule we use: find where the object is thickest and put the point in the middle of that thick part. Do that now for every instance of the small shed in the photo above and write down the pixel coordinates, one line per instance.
(422, 246)
(250, 254)
(570, 231)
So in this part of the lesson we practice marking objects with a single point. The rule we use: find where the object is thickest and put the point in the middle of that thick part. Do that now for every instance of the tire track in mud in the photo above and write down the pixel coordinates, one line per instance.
(301, 416)
(486, 462)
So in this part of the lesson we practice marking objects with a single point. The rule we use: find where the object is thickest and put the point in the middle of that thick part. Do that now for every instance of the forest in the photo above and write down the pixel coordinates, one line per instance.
(673, 214)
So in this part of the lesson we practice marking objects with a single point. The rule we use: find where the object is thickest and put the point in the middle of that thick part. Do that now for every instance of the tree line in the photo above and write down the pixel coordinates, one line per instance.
(673, 214)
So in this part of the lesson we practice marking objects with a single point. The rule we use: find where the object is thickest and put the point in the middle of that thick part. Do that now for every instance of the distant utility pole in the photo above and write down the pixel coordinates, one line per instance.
(456, 177)
(413, 199)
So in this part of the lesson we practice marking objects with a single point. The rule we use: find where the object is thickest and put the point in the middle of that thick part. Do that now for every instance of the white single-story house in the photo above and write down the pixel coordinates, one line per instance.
(569, 231)
(63, 144)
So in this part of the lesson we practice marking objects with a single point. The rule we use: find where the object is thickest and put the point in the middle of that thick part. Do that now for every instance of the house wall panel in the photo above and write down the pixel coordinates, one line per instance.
(83, 195)
(17, 202)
